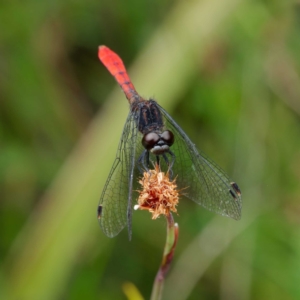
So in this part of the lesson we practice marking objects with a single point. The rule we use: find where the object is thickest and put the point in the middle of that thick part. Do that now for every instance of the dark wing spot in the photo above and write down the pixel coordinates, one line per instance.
(99, 211)
(232, 194)
(236, 188)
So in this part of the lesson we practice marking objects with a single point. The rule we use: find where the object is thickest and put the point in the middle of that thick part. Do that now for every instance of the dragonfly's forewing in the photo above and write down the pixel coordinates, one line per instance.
(200, 179)
(116, 198)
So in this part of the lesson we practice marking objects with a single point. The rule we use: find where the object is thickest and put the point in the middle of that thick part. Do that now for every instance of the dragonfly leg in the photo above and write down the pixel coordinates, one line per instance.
(166, 159)
(147, 161)
(168, 163)
(144, 161)
(157, 160)
(172, 163)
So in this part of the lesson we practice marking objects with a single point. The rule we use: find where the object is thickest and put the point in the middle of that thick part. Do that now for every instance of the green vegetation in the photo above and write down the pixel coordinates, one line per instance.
(227, 71)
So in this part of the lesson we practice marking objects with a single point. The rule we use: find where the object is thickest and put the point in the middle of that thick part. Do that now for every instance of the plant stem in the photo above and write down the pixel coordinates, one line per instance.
(171, 240)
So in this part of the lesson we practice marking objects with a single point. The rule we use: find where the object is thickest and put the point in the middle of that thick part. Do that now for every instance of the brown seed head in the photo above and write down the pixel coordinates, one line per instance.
(159, 194)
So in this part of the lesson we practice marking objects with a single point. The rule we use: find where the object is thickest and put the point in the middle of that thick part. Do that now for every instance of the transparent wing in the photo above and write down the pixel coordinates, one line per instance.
(200, 179)
(115, 205)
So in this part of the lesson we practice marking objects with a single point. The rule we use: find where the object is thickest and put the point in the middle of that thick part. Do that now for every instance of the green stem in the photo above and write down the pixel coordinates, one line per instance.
(171, 240)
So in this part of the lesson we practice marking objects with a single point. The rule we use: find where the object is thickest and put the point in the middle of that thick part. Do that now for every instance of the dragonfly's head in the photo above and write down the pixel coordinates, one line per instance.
(158, 143)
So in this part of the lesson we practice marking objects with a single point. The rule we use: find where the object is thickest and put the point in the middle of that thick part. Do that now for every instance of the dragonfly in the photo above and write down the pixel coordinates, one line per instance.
(151, 135)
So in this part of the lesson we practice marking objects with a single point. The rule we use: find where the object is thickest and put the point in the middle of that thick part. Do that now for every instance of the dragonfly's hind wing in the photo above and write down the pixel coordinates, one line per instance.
(199, 178)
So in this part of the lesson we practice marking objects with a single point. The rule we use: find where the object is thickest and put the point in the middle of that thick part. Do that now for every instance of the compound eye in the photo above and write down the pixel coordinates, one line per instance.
(150, 139)
(168, 137)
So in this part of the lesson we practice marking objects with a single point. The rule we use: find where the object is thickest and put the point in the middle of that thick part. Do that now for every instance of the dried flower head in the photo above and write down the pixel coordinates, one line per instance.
(159, 194)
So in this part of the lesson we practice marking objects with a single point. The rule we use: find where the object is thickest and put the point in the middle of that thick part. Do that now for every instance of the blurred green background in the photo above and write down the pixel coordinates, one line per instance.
(227, 71)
